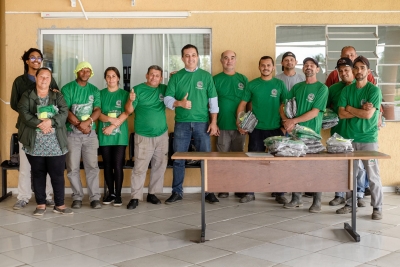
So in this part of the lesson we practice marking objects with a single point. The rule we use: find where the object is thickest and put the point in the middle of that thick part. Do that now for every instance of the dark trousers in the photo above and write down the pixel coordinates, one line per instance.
(113, 159)
(256, 142)
(55, 167)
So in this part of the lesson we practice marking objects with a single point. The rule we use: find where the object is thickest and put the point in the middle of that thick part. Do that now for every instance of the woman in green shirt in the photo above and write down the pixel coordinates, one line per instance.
(113, 134)
(43, 134)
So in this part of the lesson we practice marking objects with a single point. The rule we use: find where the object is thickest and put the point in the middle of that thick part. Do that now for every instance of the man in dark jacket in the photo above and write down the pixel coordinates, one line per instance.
(32, 62)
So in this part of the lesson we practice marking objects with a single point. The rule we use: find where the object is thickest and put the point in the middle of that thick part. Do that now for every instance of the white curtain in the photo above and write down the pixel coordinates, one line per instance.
(147, 50)
(100, 50)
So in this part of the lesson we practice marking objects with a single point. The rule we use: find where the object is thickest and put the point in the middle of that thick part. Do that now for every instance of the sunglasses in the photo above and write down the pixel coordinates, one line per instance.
(32, 59)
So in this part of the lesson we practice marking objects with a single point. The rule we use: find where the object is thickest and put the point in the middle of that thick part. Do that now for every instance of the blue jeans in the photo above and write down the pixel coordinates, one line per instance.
(362, 182)
(183, 133)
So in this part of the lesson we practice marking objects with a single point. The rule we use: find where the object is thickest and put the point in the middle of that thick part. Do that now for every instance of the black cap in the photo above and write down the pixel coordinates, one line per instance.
(287, 54)
(362, 59)
(344, 61)
(311, 59)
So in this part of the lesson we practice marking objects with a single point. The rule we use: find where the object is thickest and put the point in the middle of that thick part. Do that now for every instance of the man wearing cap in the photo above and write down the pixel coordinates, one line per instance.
(311, 97)
(195, 115)
(83, 100)
(32, 60)
(230, 86)
(348, 52)
(361, 126)
(266, 95)
(289, 75)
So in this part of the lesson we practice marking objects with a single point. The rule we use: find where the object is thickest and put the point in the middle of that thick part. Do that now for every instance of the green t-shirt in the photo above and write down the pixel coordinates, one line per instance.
(81, 100)
(149, 108)
(361, 130)
(333, 99)
(200, 86)
(112, 105)
(230, 90)
(309, 96)
(266, 98)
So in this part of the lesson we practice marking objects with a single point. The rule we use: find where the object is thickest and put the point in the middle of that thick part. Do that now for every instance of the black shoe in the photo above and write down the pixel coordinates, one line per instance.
(367, 192)
(95, 204)
(109, 199)
(153, 199)
(273, 194)
(240, 195)
(117, 201)
(76, 204)
(211, 198)
(133, 204)
(174, 198)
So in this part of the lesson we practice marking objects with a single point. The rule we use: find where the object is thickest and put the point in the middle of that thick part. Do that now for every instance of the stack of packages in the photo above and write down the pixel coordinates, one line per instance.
(337, 144)
(285, 147)
(247, 121)
(330, 119)
(310, 138)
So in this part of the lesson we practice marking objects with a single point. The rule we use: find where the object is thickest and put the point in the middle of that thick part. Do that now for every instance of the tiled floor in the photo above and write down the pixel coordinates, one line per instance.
(260, 233)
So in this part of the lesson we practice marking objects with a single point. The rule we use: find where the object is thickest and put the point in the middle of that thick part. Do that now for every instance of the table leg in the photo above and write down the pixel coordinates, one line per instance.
(4, 194)
(352, 230)
(203, 209)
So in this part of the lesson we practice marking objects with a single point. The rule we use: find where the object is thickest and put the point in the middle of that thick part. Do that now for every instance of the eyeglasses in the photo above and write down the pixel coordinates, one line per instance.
(32, 59)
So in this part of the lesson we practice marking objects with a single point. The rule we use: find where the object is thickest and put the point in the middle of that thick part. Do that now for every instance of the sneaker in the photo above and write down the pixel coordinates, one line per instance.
(281, 199)
(133, 204)
(153, 199)
(367, 191)
(211, 198)
(247, 198)
(223, 195)
(65, 210)
(174, 198)
(50, 203)
(39, 212)
(117, 201)
(109, 199)
(376, 214)
(20, 204)
(361, 203)
(76, 204)
(345, 210)
(95, 204)
(337, 201)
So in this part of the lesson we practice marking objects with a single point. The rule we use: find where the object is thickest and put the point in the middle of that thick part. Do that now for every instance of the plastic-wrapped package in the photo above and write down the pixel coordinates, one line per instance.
(328, 125)
(329, 119)
(82, 112)
(301, 132)
(315, 148)
(290, 152)
(285, 147)
(290, 108)
(113, 114)
(247, 121)
(338, 144)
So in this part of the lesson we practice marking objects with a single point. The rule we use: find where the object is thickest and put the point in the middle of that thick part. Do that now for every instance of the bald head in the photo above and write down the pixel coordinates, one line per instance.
(349, 52)
(228, 61)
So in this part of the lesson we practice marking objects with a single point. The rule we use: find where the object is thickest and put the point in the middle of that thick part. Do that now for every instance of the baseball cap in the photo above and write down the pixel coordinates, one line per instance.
(311, 59)
(287, 54)
(344, 61)
(83, 65)
(362, 59)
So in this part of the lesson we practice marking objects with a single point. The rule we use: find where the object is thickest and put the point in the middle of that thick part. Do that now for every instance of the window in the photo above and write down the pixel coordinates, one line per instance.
(131, 51)
(380, 44)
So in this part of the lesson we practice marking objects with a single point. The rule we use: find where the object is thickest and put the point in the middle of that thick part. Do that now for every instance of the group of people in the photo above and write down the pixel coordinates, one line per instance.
(204, 106)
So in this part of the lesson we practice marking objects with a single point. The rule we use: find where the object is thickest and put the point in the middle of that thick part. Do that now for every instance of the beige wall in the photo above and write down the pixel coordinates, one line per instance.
(250, 34)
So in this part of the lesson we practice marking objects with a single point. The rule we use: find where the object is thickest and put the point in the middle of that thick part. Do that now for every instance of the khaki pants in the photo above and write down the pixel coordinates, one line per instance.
(154, 150)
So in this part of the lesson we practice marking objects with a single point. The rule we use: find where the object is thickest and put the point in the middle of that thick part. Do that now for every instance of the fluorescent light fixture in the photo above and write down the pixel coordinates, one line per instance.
(115, 15)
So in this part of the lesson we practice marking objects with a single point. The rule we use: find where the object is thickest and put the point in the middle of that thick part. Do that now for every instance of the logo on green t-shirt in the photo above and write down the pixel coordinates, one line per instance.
(91, 98)
(274, 92)
(161, 98)
(199, 85)
(310, 98)
(240, 86)
(118, 103)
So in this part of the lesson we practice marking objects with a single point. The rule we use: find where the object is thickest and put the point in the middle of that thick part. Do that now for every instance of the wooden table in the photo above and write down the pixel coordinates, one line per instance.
(236, 171)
